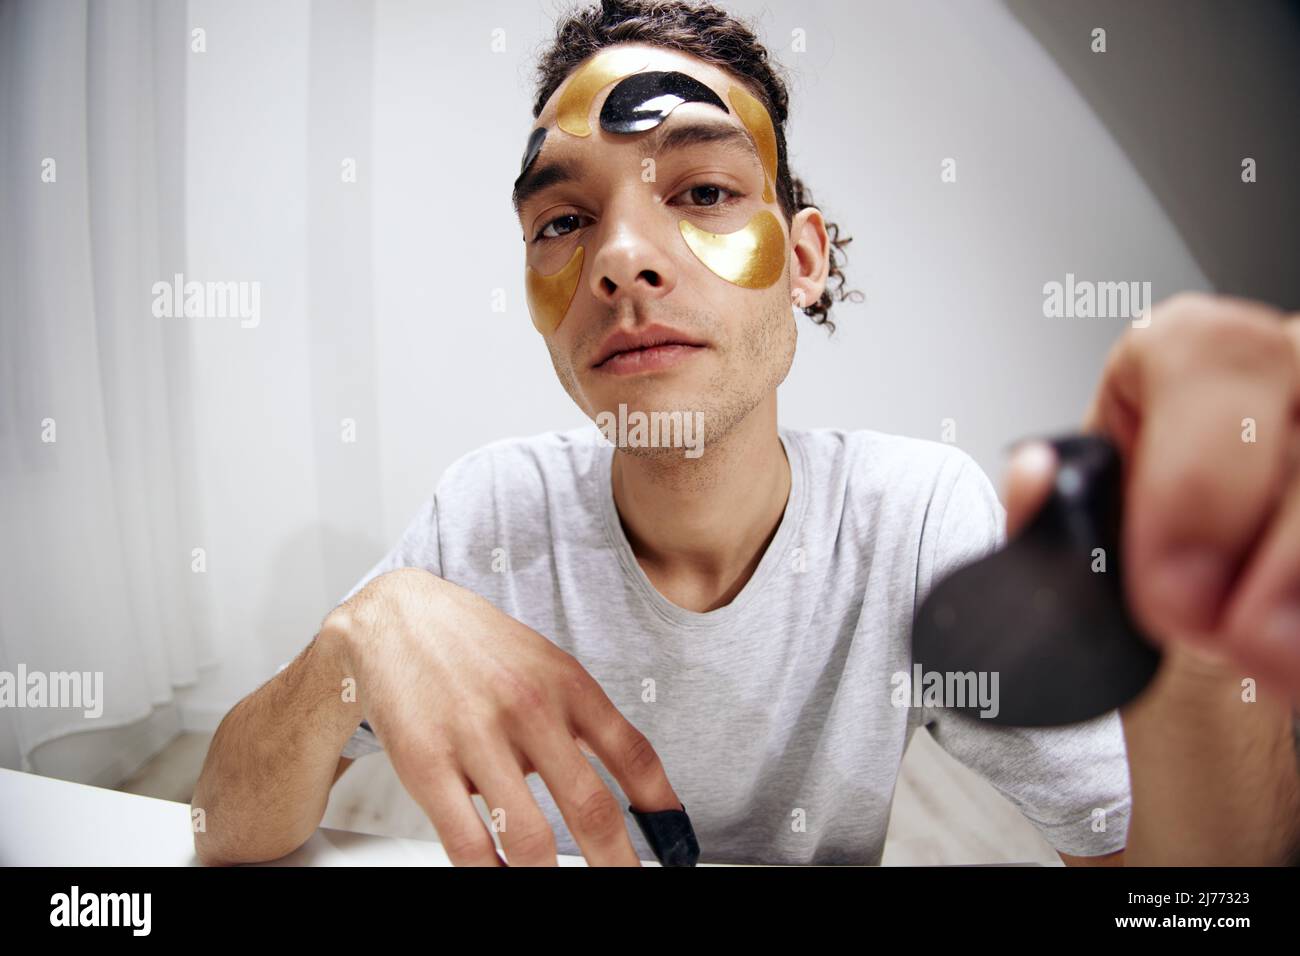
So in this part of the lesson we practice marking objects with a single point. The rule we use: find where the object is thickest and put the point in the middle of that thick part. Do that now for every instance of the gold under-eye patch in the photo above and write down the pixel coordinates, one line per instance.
(549, 296)
(759, 123)
(600, 71)
(752, 257)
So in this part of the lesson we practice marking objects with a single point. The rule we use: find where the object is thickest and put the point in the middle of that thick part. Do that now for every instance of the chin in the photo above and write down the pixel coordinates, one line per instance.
(649, 397)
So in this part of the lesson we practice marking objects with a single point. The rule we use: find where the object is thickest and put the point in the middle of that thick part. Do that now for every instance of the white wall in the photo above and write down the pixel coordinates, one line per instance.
(247, 211)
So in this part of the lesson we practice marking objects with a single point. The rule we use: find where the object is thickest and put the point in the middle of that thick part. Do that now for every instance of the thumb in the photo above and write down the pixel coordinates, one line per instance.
(1027, 482)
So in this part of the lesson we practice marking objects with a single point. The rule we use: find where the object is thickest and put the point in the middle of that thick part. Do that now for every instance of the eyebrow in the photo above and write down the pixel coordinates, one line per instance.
(543, 176)
(666, 139)
(669, 138)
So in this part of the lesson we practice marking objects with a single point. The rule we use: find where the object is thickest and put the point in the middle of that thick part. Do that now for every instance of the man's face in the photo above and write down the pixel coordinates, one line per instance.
(624, 201)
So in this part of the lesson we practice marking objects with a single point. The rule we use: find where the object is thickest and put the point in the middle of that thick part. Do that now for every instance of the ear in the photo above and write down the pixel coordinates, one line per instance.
(810, 260)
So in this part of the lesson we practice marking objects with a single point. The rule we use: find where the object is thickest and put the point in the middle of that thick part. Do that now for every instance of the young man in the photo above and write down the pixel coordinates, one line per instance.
(713, 619)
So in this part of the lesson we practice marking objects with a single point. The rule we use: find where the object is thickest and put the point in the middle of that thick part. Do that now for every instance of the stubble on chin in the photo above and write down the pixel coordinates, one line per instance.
(746, 368)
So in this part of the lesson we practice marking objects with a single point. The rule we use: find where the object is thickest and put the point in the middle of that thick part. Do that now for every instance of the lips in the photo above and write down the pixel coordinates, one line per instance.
(651, 337)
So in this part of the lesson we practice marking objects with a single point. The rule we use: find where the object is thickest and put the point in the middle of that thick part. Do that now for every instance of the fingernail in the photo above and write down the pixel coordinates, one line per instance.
(1035, 458)
(670, 835)
(1187, 585)
(1010, 449)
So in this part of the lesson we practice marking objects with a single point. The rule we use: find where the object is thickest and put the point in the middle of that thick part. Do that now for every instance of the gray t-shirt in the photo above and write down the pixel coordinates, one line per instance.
(775, 716)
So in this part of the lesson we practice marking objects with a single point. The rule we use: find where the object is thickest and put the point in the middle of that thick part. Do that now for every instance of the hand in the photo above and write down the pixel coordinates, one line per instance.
(1204, 405)
(468, 700)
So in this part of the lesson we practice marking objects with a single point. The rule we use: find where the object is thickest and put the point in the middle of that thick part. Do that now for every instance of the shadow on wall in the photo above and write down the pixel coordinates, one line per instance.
(1191, 89)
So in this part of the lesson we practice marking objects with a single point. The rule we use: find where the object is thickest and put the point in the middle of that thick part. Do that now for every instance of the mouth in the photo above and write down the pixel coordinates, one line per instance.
(650, 349)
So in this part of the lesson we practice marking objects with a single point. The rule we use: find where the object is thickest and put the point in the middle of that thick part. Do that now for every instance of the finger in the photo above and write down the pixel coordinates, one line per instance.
(626, 752)
(525, 833)
(1208, 466)
(594, 815)
(1262, 621)
(1028, 483)
(443, 794)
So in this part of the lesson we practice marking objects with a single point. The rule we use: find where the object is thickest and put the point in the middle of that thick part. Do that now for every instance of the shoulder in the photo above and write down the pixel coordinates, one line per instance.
(873, 464)
(928, 499)
(521, 469)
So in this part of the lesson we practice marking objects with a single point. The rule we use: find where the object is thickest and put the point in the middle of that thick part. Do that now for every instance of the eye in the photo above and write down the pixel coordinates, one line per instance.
(706, 194)
(560, 226)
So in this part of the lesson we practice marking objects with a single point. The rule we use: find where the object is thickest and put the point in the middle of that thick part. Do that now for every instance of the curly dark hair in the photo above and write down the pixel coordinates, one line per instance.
(711, 34)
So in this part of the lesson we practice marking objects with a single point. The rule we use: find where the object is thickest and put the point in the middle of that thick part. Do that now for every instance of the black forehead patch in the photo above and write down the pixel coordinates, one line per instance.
(643, 100)
(535, 140)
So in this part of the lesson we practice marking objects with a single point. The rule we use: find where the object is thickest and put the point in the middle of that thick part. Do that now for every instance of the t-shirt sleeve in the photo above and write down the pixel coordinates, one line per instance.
(1072, 781)
(417, 548)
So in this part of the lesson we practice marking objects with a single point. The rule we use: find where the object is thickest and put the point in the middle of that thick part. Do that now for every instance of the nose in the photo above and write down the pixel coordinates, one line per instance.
(631, 262)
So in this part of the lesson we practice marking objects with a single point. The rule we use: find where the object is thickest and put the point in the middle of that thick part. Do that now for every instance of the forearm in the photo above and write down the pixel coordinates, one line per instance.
(269, 770)
(1213, 777)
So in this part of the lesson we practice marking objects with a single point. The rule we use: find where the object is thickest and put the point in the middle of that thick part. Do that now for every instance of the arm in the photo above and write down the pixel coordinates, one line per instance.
(1214, 777)
(510, 703)
(1106, 859)
(267, 776)
(1203, 406)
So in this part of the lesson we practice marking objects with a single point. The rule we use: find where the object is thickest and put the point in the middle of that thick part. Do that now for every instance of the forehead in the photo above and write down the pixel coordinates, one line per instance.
(643, 57)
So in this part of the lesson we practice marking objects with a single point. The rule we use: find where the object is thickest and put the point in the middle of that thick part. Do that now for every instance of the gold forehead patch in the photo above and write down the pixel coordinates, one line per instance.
(759, 123)
(601, 70)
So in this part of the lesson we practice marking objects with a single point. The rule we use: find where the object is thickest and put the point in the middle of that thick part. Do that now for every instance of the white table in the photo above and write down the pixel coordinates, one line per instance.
(46, 822)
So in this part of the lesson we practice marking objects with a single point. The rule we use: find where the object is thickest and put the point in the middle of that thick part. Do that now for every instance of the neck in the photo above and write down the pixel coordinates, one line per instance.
(699, 526)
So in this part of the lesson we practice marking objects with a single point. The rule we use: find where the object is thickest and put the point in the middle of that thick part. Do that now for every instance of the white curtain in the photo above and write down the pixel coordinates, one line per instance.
(96, 459)
(226, 141)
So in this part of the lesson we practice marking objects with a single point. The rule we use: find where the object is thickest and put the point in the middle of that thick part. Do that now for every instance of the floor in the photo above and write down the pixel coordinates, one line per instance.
(943, 812)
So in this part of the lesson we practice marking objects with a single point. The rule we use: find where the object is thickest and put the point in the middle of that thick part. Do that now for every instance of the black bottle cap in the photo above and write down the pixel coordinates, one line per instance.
(670, 835)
